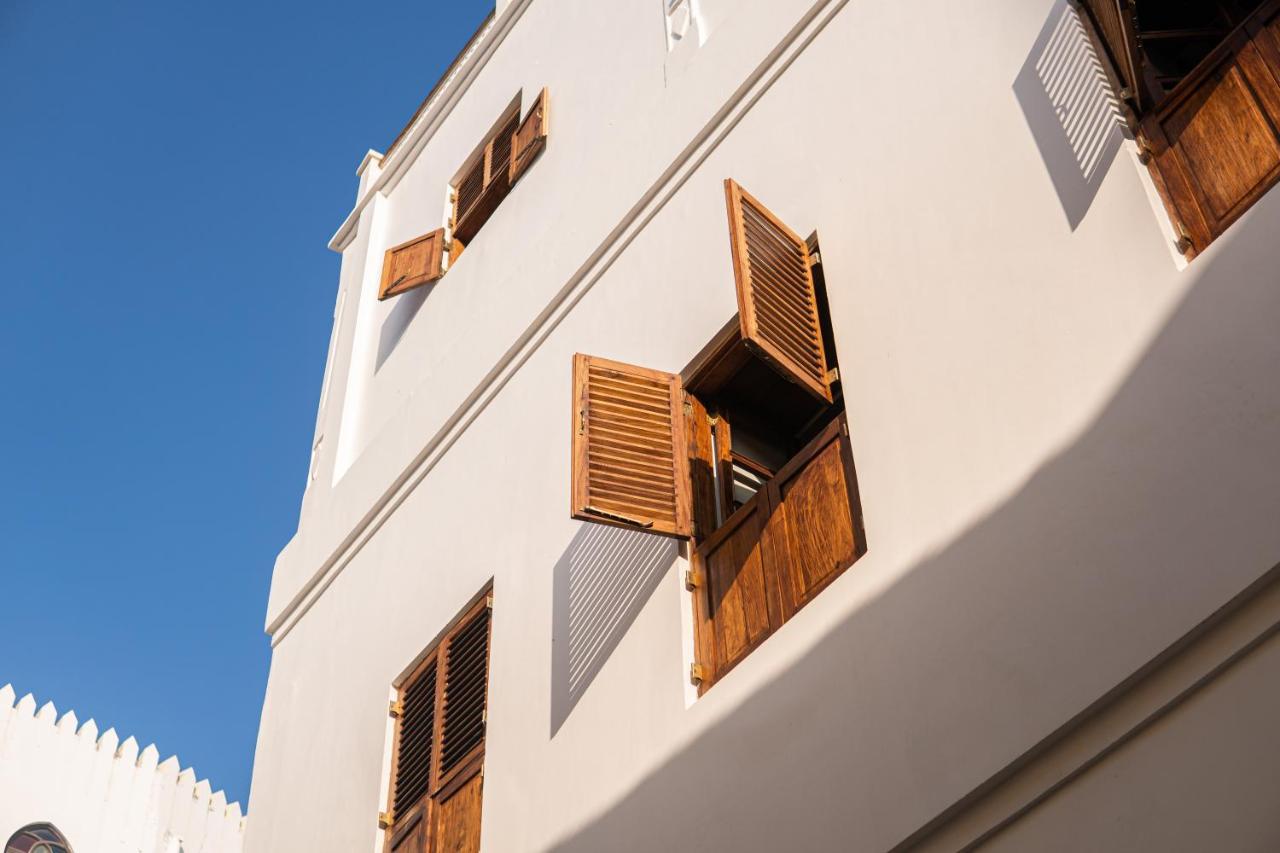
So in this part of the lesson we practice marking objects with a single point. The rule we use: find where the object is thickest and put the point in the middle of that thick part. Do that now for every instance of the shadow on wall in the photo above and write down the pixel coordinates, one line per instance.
(1163, 508)
(1067, 101)
(404, 308)
(601, 582)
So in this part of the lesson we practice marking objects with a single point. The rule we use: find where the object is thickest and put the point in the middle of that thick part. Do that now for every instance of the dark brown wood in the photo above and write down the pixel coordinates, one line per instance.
(1215, 140)
(412, 264)
(630, 465)
(1114, 23)
(777, 300)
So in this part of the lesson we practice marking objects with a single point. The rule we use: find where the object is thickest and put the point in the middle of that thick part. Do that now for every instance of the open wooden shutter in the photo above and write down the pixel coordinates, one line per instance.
(630, 466)
(412, 264)
(777, 302)
(531, 138)
(1114, 24)
(1215, 140)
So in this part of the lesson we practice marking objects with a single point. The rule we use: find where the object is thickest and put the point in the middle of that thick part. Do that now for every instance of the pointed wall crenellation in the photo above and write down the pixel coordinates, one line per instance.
(104, 792)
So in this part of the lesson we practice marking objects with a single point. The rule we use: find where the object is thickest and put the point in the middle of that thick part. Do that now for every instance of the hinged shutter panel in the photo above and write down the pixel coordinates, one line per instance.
(1114, 23)
(415, 741)
(412, 264)
(531, 138)
(1215, 141)
(466, 685)
(630, 467)
(777, 301)
(485, 183)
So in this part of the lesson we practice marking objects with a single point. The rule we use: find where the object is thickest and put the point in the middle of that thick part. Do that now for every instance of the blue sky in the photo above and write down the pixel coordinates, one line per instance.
(171, 174)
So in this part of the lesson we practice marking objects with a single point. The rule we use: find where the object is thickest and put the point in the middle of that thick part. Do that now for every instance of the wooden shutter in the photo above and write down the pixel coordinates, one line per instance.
(630, 467)
(412, 264)
(484, 184)
(1215, 140)
(1114, 24)
(734, 600)
(466, 682)
(815, 525)
(777, 301)
(458, 817)
(531, 138)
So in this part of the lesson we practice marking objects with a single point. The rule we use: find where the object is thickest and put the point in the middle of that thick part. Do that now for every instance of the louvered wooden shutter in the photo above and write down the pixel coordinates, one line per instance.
(1114, 23)
(630, 466)
(531, 138)
(777, 301)
(412, 264)
(465, 690)
(485, 183)
(1215, 141)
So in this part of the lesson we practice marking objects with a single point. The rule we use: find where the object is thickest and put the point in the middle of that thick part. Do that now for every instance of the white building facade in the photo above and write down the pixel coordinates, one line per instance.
(65, 787)
(1045, 353)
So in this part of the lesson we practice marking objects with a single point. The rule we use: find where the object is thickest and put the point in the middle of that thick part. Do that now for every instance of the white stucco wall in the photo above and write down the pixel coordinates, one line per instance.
(103, 794)
(1065, 441)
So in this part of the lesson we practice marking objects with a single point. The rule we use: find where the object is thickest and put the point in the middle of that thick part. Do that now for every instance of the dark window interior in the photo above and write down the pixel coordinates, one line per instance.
(1176, 35)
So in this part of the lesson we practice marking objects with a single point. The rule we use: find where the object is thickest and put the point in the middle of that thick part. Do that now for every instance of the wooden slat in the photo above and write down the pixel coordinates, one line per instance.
(777, 300)
(415, 736)
(629, 462)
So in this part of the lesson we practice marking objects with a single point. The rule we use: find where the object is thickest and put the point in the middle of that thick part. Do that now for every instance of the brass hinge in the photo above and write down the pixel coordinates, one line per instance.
(688, 409)
(484, 717)
(488, 601)
(815, 259)
(697, 673)
(385, 819)
(1184, 243)
(833, 375)
(692, 580)
(397, 708)
(582, 421)
(714, 420)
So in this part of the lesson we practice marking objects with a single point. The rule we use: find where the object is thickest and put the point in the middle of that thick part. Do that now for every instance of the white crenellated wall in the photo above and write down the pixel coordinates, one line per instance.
(105, 795)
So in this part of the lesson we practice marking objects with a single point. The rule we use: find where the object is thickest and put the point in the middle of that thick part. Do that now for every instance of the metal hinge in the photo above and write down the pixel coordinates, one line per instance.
(488, 601)
(397, 708)
(688, 409)
(385, 819)
(1184, 243)
(815, 259)
(692, 580)
(697, 673)
(833, 375)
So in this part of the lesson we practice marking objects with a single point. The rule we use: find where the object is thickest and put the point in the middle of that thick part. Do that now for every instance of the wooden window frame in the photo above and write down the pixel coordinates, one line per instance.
(422, 815)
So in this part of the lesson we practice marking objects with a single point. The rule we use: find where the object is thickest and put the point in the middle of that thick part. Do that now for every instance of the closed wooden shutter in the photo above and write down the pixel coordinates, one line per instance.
(735, 601)
(412, 264)
(465, 691)
(630, 467)
(438, 760)
(777, 301)
(814, 524)
(484, 184)
(531, 138)
(1215, 140)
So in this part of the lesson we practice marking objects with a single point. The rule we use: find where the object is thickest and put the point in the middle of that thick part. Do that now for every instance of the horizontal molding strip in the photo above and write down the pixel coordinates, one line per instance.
(634, 221)
(1187, 666)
